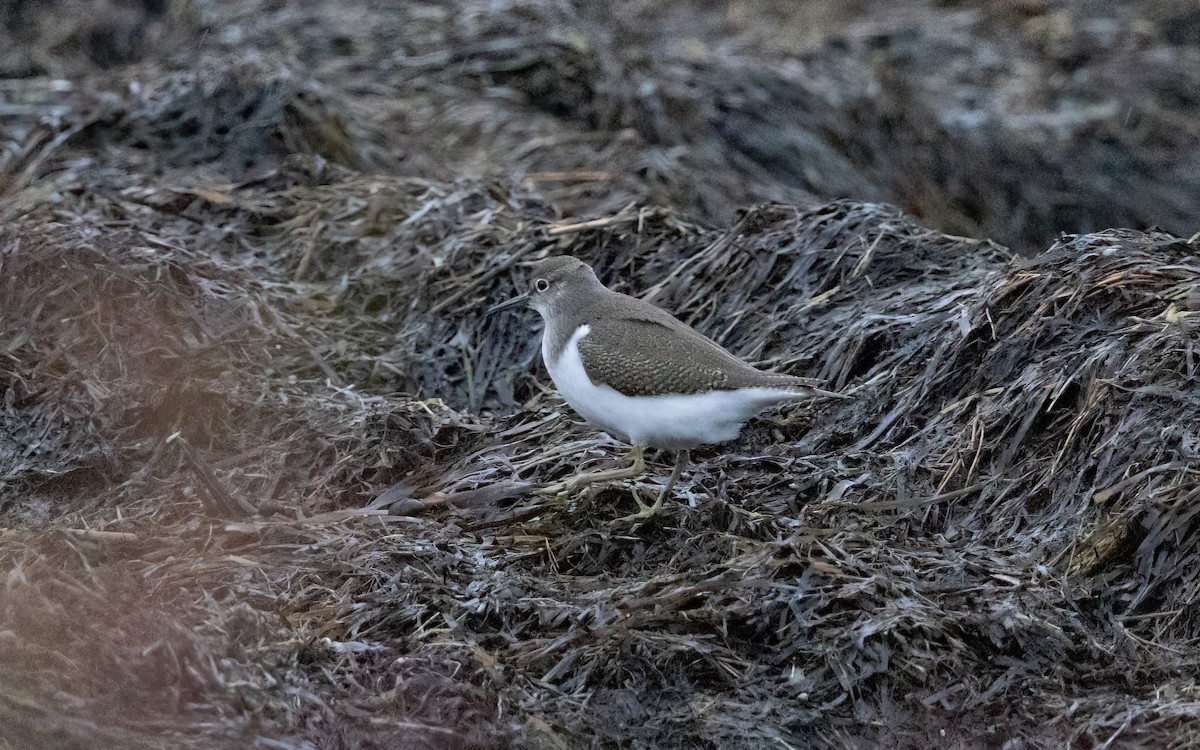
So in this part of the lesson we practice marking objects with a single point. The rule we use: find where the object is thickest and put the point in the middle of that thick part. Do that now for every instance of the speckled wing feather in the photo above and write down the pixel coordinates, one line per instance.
(641, 357)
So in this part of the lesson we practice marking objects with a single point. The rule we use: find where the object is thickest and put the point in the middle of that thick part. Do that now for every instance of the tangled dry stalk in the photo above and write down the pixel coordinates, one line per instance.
(1001, 511)
(267, 472)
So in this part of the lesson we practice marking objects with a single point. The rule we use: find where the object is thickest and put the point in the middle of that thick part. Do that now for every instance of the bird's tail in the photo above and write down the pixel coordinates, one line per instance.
(807, 388)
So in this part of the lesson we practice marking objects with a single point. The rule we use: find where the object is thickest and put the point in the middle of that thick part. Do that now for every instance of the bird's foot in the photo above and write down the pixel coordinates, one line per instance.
(645, 511)
(565, 489)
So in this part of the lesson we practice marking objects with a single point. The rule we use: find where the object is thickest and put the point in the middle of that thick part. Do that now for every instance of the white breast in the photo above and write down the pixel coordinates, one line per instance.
(672, 421)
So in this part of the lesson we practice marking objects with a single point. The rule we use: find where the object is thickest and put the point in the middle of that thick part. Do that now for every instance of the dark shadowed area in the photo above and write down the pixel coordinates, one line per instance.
(268, 473)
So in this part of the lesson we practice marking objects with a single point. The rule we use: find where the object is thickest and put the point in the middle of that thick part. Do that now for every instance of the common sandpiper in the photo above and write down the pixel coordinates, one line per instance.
(642, 375)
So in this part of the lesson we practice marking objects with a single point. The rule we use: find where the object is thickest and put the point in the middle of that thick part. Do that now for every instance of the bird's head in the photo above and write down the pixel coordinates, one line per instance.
(553, 281)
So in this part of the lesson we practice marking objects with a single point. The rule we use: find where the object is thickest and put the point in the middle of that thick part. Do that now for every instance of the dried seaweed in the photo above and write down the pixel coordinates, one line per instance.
(938, 539)
(268, 473)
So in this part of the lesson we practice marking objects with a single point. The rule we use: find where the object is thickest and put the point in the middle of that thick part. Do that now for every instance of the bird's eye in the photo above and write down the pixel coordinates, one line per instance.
(541, 285)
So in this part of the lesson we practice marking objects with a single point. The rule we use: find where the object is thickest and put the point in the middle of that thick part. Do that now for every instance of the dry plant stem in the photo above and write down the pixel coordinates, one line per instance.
(622, 216)
(95, 535)
(572, 485)
(649, 511)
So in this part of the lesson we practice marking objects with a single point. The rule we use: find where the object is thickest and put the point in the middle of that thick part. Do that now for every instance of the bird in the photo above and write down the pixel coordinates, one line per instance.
(642, 375)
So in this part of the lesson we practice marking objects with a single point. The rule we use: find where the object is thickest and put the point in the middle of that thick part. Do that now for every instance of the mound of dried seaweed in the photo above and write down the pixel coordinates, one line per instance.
(267, 470)
(218, 402)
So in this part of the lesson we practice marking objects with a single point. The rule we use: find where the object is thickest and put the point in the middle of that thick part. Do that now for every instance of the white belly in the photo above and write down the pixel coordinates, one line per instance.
(674, 421)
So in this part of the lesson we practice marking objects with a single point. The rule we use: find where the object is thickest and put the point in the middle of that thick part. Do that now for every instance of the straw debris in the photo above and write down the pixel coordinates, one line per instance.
(1001, 510)
(268, 474)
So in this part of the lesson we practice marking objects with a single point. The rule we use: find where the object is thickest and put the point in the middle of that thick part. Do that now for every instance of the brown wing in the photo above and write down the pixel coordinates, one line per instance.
(645, 358)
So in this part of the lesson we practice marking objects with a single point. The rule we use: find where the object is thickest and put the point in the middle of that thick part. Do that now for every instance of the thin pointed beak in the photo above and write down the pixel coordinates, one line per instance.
(508, 303)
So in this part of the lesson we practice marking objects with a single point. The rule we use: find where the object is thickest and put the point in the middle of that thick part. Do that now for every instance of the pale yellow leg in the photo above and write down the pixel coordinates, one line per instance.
(649, 511)
(572, 485)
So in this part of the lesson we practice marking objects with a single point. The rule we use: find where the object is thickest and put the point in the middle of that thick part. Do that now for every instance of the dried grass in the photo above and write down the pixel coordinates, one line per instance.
(267, 472)
(999, 515)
